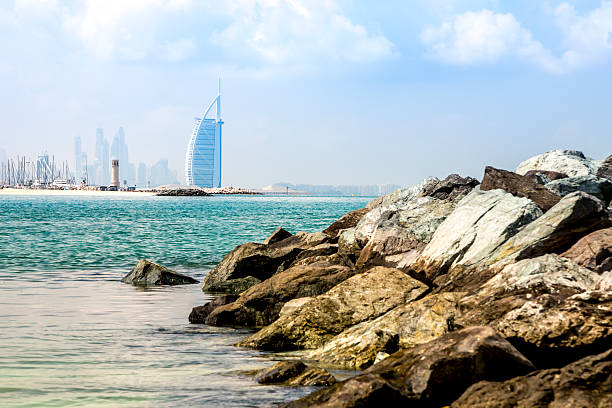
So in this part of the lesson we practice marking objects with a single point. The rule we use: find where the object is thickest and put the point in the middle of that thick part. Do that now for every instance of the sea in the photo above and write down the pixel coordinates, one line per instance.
(73, 335)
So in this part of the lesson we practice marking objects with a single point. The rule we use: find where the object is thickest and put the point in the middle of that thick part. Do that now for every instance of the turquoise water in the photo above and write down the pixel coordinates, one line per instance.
(72, 335)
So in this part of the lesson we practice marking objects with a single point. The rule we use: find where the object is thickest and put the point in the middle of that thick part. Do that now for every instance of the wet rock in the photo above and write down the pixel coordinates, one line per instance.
(431, 374)
(278, 235)
(147, 273)
(359, 298)
(398, 197)
(584, 383)
(595, 186)
(200, 313)
(544, 176)
(295, 373)
(348, 220)
(260, 260)
(260, 305)
(398, 241)
(405, 326)
(605, 170)
(520, 186)
(593, 251)
(454, 187)
(480, 223)
(234, 286)
(570, 162)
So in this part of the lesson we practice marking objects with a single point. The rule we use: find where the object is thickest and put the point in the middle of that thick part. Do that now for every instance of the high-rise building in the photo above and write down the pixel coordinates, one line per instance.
(203, 161)
(142, 175)
(161, 174)
(102, 162)
(119, 150)
(78, 154)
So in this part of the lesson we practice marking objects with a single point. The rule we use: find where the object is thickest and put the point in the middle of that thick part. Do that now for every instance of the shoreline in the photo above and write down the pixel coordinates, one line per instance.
(8, 191)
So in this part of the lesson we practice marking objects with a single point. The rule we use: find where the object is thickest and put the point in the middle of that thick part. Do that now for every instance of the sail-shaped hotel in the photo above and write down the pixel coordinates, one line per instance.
(203, 161)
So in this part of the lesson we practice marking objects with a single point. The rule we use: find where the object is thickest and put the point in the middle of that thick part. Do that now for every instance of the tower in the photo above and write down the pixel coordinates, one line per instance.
(115, 179)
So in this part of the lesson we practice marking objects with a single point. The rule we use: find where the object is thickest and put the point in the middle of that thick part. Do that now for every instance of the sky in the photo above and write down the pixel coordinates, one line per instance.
(319, 91)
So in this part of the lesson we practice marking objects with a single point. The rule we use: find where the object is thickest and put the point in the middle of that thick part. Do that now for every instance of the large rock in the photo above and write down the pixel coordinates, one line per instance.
(147, 273)
(278, 235)
(544, 176)
(595, 186)
(359, 298)
(233, 286)
(348, 220)
(432, 374)
(347, 243)
(398, 241)
(584, 383)
(405, 326)
(570, 162)
(295, 373)
(398, 197)
(260, 305)
(480, 223)
(200, 313)
(605, 170)
(593, 251)
(453, 187)
(520, 186)
(261, 260)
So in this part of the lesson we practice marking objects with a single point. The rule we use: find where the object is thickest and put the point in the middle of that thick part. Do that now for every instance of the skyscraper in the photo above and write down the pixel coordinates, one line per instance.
(142, 175)
(78, 154)
(102, 160)
(119, 150)
(203, 161)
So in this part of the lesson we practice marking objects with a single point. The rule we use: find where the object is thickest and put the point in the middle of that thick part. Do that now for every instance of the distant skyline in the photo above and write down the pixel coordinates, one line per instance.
(334, 92)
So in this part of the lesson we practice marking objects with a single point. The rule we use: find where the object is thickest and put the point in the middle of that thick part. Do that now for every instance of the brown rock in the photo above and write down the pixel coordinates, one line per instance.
(593, 251)
(520, 186)
(432, 374)
(278, 235)
(348, 220)
(147, 273)
(260, 305)
(295, 373)
(544, 176)
(605, 170)
(585, 383)
(200, 313)
(453, 187)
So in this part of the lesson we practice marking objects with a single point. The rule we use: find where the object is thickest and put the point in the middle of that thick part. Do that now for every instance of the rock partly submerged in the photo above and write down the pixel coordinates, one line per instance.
(295, 373)
(147, 273)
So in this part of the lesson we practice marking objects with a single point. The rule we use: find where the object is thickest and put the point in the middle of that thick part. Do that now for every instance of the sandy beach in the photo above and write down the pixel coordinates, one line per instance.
(89, 193)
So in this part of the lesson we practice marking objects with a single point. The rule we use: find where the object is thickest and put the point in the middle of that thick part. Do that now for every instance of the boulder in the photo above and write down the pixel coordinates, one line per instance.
(348, 220)
(398, 197)
(595, 186)
(200, 313)
(260, 260)
(584, 383)
(405, 326)
(359, 298)
(544, 176)
(294, 304)
(260, 305)
(520, 186)
(370, 222)
(347, 244)
(453, 187)
(605, 170)
(481, 222)
(278, 235)
(295, 373)
(147, 273)
(317, 252)
(593, 251)
(398, 241)
(431, 374)
(570, 162)
(234, 286)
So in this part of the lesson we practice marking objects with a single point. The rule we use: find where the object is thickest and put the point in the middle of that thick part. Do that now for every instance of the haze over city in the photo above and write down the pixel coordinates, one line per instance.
(321, 92)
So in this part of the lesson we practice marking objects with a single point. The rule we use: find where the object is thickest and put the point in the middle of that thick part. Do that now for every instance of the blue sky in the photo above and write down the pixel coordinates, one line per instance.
(320, 91)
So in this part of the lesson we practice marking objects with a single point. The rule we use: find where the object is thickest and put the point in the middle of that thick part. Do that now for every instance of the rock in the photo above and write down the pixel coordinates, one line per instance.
(570, 162)
(370, 222)
(400, 196)
(347, 243)
(520, 186)
(605, 170)
(183, 192)
(293, 305)
(398, 241)
(200, 313)
(544, 176)
(584, 383)
(295, 373)
(278, 235)
(235, 286)
(481, 222)
(431, 374)
(348, 220)
(359, 298)
(593, 251)
(147, 273)
(405, 326)
(318, 251)
(260, 260)
(595, 186)
(260, 305)
(453, 187)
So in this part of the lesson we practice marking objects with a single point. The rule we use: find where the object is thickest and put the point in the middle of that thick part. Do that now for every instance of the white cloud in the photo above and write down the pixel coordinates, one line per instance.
(486, 37)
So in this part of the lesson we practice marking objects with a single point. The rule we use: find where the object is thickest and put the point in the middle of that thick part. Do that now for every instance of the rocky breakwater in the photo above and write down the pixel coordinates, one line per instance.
(445, 293)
